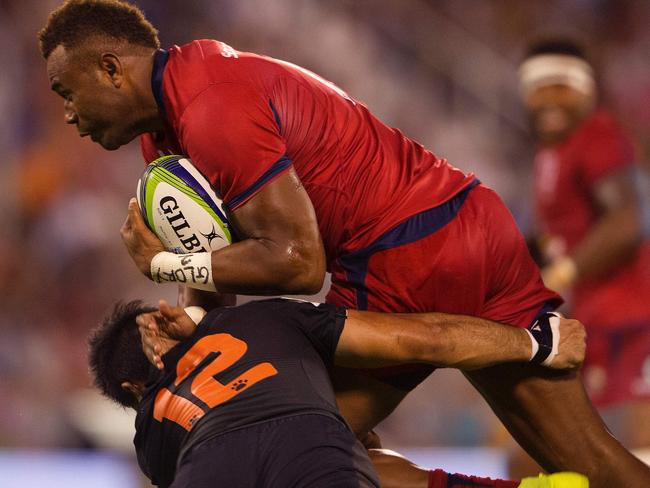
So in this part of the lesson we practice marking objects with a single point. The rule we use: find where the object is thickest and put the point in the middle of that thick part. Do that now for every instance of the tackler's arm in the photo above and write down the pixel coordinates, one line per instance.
(371, 340)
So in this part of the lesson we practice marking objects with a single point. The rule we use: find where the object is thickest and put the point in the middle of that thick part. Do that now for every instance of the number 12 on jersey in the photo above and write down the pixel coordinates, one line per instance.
(204, 386)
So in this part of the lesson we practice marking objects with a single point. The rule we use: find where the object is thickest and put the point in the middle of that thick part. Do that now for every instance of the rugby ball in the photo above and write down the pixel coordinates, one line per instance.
(179, 205)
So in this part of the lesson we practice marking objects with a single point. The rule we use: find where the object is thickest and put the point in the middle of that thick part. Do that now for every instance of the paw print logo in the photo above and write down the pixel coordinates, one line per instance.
(239, 385)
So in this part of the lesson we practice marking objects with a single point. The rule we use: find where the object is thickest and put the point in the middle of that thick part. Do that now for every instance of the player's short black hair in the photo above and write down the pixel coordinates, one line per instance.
(75, 21)
(116, 355)
(556, 46)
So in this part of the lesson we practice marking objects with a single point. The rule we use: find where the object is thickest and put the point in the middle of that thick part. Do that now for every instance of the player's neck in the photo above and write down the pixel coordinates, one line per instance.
(150, 117)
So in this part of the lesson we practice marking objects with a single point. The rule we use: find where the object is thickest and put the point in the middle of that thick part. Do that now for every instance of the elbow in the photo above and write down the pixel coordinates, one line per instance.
(306, 281)
(306, 266)
(630, 228)
(435, 350)
(423, 345)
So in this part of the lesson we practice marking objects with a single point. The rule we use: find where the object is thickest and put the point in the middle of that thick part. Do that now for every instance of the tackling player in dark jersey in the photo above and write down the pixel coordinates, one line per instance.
(246, 400)
(236, 392)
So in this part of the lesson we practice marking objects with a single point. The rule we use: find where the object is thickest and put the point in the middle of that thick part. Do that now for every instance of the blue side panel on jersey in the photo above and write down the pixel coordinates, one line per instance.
(276, 115)
(413, 229)
(278, 167)
(159, 62)
(174, 166)
(548, 306)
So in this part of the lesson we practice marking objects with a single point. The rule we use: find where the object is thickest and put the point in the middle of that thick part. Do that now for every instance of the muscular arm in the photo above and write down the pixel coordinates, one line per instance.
(282, 251)
(617, 232)
(376, 339)
(372, 340)
(612, 239)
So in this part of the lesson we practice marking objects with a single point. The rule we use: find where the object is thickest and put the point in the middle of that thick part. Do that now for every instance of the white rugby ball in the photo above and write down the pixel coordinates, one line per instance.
(179, 205)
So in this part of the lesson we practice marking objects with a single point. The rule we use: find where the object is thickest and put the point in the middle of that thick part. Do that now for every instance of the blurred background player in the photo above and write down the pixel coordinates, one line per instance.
(255, 375)
(591, 220)
(234, 407)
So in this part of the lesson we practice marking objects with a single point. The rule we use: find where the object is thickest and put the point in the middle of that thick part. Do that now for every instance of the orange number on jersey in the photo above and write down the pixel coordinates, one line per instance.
(177, 409)
(204, 386)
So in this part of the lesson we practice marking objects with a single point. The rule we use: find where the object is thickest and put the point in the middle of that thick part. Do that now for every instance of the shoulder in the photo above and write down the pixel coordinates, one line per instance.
(601, 137)
(271, 305)
(602, 147)
(285, 310)
(255, 310)
(601, 124)
(195, 67)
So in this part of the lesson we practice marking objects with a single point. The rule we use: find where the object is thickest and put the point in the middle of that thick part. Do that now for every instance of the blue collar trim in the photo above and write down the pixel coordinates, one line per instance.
(159, 61)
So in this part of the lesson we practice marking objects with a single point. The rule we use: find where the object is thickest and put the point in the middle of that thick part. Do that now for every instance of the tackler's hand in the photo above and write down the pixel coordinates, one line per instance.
(558, 342)
(162, 330)
(572, 345)
(152, 341)
(141, 243)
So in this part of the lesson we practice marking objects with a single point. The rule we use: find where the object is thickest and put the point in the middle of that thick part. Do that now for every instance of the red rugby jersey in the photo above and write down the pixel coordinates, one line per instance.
(565, 178)
(244, 119)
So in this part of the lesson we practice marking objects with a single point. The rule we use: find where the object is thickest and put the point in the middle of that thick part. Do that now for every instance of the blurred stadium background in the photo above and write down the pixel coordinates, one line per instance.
(444, 71)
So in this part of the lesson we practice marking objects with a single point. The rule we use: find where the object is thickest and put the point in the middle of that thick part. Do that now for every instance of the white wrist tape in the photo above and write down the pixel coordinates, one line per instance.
(195, 313)
(534, 345)
(193, 269)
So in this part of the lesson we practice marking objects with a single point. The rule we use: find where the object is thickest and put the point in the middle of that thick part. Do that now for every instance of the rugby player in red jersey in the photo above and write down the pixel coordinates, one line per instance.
(313, 181)
(244, 398)
(590, 203)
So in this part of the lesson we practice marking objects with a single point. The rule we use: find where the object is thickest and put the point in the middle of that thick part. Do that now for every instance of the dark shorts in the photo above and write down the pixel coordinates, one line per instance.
(307, 450)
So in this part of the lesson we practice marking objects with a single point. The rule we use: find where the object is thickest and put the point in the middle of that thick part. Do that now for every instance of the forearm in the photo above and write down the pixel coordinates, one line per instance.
(375, 340)
(611, 242)
(281, 250)
(265, 267)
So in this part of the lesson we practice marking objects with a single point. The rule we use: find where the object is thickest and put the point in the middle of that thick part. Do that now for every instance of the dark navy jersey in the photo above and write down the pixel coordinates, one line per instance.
(243, 365)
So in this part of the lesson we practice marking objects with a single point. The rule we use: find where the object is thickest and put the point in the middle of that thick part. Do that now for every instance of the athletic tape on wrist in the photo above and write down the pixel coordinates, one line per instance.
(195, 313)
(534, 346)
(193, 269)
(545, 333)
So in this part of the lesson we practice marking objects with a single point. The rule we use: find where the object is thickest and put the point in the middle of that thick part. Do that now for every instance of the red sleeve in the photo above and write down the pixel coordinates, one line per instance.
(608, 150)
(231, 133)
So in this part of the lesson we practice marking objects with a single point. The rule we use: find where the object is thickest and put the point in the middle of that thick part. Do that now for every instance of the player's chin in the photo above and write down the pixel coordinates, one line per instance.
(111, 142)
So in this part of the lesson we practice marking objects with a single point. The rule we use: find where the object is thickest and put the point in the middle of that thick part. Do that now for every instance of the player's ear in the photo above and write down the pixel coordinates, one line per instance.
(112, 68)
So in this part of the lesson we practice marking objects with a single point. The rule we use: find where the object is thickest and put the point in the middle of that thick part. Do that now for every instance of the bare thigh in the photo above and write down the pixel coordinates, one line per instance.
(364, 401)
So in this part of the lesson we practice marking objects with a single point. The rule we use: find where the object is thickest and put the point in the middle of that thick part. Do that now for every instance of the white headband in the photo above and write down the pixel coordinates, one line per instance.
(561, 69)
